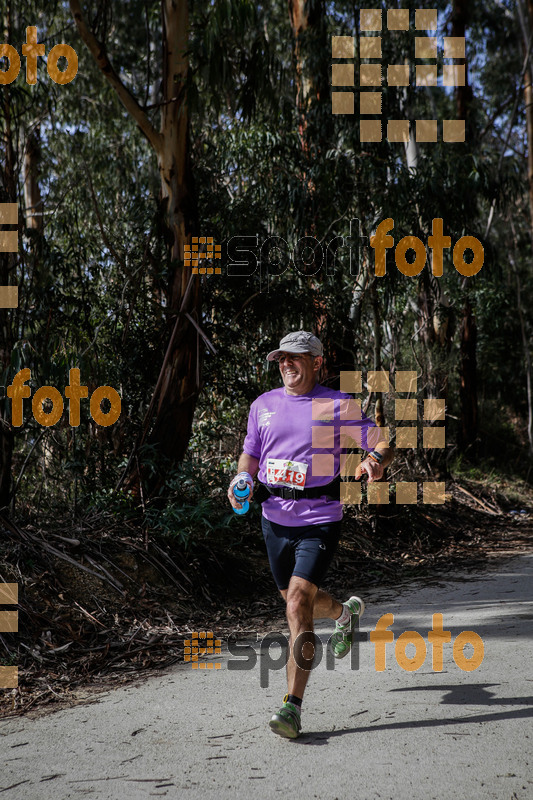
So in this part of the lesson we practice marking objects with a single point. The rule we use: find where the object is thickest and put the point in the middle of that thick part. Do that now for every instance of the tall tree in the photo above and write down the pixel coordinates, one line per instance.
(468, 331)
(460, 18)
(8, 194)
(525, 14)
(178, 385)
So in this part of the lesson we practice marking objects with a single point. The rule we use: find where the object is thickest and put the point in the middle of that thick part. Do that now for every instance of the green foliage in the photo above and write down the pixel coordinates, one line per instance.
(192, 506)
(94, 287)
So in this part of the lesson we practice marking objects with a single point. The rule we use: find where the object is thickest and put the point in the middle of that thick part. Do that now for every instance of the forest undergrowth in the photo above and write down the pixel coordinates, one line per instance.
(104, 599)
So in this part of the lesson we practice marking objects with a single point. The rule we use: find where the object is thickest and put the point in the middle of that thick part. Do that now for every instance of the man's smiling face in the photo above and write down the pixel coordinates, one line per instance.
(299, 371)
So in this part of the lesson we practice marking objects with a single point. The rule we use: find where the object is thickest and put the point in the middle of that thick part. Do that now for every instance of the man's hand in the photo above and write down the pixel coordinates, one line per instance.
(231, 497)
(372, 468)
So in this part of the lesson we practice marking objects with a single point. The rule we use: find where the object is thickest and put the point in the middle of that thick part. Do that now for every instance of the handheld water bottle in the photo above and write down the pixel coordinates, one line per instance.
(241, 491)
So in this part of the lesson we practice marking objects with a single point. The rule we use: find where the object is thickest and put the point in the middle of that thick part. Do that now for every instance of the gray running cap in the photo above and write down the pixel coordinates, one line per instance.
(298, 342)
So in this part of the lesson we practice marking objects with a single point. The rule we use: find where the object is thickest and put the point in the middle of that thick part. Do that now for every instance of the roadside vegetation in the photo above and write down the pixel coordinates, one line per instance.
(120, 537)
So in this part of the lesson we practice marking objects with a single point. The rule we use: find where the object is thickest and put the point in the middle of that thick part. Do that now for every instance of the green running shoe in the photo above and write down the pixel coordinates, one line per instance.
(341, 641)
(286, 722)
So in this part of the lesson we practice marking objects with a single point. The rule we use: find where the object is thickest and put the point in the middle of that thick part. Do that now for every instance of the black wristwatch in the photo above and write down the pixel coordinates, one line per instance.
(376, 456)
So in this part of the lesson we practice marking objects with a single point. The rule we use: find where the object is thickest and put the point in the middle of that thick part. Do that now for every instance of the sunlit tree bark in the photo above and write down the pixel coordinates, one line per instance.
(178, 384)
(8, 194)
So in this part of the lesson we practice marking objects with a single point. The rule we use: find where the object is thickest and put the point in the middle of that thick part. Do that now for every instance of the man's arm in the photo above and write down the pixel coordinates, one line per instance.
(387, 453)
(373, 469)
(248, 464)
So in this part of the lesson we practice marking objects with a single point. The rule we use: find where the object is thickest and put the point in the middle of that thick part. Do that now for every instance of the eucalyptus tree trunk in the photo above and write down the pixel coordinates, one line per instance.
(526, 344)
(463, 94)
(303, 14)
(528, 102)
(307, 19)
(468, 365)
(32, 191)
(379, 412)
(8, 194)
(468, 385)
(528, 97)
(177, 389)
(310, 44)
(299, 19)
(525, 14)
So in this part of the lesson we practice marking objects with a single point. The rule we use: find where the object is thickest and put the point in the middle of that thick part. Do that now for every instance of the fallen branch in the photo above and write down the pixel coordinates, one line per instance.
(479, 502)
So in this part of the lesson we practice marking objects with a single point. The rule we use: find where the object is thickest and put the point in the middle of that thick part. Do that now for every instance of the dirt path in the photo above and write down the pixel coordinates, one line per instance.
(367, 734)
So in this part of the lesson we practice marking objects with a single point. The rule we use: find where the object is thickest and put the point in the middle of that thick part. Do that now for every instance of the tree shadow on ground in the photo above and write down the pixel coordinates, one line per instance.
(454, 694)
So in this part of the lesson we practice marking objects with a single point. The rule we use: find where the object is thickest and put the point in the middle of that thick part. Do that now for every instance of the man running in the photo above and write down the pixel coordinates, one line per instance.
(294, 443)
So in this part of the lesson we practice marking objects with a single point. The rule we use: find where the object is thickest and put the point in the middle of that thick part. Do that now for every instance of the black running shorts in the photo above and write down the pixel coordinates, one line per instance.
(304, 551)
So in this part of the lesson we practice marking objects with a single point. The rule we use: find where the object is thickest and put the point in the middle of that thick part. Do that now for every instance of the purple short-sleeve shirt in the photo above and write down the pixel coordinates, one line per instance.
(286, 426)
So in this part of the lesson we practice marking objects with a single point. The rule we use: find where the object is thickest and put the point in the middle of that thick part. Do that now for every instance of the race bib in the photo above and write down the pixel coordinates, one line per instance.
(286, 473)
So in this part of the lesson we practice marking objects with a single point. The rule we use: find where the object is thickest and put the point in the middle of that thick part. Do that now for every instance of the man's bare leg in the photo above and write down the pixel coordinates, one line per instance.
(303, 601)
(300, 599)
(325, 606)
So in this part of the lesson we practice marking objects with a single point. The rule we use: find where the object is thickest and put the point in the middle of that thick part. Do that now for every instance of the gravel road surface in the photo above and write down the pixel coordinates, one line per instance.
(391, 734)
